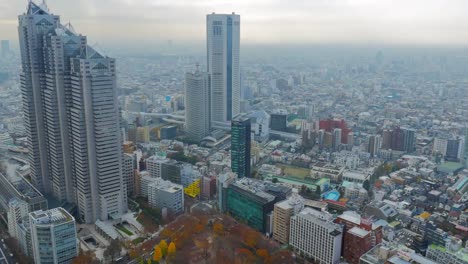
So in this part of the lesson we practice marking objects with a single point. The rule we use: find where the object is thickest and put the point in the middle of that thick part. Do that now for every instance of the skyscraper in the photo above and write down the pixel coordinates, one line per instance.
(197, 105)
(71, 116)
(240, 146)
(53, 235)
(336, 138)
(223, 48)
(373, 144)
(409, 139)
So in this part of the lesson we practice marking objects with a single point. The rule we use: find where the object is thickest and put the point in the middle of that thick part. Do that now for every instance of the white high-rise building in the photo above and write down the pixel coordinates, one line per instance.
(53, 236)
(223, 55)
(197, 105)
(314, 234)
(71, 117)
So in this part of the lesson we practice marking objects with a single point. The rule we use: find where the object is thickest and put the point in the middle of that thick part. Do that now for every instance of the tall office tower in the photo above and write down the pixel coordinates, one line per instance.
(197, 103)
(128, 168)
(314, 234)
(373, 144)
(398, 139)
(53, 235)
(223, 48)
(71, 116)
(350, 140)
(5, 48)
(386, 139)
(409, 141)
(240, 146)
(336, 138)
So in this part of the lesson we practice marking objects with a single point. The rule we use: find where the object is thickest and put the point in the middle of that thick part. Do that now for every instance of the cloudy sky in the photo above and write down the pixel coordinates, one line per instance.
(262, 21)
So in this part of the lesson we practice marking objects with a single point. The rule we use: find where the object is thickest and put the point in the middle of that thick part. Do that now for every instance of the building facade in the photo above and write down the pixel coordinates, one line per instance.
(53, 235)
(223, 58)
(197, 103)
(71, 117)
(240, 146)
(282, 213)
(165, 194)
(314, 234)
(249, 204)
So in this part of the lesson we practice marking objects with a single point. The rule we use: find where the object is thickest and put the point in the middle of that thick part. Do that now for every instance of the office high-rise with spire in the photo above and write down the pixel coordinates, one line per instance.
(71, 116)
(223, 54)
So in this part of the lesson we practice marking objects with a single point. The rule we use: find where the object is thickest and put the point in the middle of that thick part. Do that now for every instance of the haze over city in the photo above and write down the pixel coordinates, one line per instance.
(139, 22)
(213, 131)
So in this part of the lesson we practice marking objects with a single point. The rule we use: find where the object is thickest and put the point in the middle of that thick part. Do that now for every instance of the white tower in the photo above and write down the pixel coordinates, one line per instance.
(223, 48)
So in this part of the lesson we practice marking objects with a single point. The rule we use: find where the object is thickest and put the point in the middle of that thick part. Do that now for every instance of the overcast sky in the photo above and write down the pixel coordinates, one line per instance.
(262, 21)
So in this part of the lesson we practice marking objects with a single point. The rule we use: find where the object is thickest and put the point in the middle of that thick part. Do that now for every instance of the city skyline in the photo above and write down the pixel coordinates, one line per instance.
(359, 21)
(229, 143)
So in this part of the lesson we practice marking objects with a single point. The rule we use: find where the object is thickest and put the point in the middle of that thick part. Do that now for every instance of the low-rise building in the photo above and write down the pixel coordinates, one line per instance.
(53, 236)
(165, 194)
(452, 253)
(247, 200)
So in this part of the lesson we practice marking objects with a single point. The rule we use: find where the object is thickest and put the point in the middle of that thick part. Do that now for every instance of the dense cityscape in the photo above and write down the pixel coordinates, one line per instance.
(236, 155)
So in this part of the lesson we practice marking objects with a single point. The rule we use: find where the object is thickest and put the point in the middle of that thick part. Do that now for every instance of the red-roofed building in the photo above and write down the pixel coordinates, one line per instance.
(330, 124)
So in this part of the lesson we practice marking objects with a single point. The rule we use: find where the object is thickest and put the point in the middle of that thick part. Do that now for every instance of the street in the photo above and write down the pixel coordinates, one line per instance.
(5, 254)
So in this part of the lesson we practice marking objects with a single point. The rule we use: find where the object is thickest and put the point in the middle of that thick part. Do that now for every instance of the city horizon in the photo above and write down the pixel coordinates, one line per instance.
(362, 22)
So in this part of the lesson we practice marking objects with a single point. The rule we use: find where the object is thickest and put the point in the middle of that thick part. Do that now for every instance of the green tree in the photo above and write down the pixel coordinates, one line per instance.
(274, 180)
(318, 191)
(112, 250)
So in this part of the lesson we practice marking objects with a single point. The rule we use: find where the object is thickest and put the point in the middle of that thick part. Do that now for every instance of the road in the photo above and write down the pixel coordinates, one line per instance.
(5, 255)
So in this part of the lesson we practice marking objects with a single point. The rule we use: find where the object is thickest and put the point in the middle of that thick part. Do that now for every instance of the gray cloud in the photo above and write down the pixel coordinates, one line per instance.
(262, 21)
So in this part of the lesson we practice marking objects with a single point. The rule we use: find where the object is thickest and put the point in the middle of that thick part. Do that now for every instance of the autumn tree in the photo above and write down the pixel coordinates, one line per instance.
(163, 246)
(157, 255)
(203, 244)
(171, 250)
(263, 253)
(218, 228)
(85, 257)
(251, 238)
(199, 228)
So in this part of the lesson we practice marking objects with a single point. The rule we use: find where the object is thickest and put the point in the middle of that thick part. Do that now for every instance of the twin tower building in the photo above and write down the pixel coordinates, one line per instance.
(71, 111)
(212, 98)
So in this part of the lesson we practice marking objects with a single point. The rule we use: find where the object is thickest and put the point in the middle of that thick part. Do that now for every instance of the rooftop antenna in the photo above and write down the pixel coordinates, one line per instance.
(198, 67)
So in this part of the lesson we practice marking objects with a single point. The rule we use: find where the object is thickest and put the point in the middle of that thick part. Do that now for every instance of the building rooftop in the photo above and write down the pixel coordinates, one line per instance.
(164, 185)
(254, 186)
(51, 216)
(358, 231)
(351, 216)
